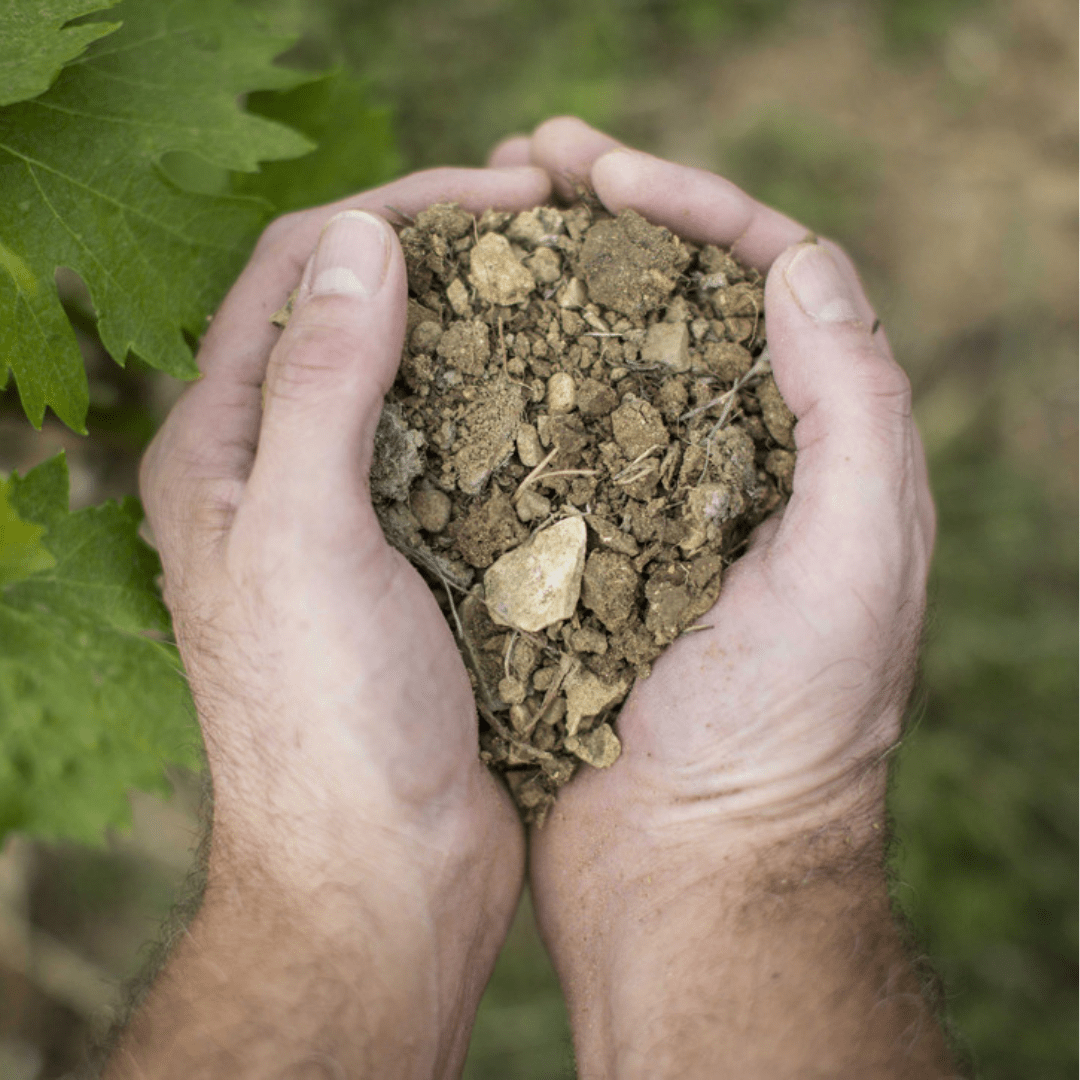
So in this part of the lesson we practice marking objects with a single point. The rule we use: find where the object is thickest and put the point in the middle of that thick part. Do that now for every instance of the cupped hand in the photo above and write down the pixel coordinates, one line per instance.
(777, 721)
(337, 717)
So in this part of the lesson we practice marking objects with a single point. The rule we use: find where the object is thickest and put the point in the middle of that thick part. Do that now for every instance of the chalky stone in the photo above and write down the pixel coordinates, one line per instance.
(496, 274)
(538, 583)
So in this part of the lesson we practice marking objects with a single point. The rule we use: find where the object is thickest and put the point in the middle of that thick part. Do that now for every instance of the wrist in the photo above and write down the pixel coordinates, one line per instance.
(360, 976)
(777, 960)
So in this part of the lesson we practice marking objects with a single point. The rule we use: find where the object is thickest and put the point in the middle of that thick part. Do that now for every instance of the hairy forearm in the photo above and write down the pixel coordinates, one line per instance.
(781, 963)
(329, 982)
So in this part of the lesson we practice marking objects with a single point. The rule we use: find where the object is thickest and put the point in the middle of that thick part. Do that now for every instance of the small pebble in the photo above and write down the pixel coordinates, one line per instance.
(512, 691)
(573, 294)
(599, 748)
(431, 508)
(545, 266)
(539, 583)
(426, 336)
(532, 506)
(561, 393)
(496, 274)
(667, 343)
(458, 296)
(588, 640)
(529, 450)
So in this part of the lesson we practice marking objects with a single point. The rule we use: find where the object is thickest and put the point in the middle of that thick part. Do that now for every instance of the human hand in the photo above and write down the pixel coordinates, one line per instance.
(360, 851)
(756, 753)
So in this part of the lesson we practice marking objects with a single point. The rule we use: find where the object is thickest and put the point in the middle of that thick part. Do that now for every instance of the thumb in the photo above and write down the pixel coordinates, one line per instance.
(331, 367)
(860, 513)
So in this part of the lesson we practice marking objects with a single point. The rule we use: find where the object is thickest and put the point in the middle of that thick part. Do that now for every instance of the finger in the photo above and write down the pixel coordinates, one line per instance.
(511, 151)
(283, 251)
(205, 450)
(328, 373)
(567, 147)
(694, 204)
(858, 513)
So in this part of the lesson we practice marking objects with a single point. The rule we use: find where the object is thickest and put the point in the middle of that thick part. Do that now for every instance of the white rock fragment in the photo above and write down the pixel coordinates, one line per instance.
(458, 296)
(512, 690)
(529, 449)
(530, 227)
(587, 695)
(561, 393)
(496, 274)
(668, 344)
(572, 295)
(532, 506)
(600, 748)
(538, 583)
(545, 266)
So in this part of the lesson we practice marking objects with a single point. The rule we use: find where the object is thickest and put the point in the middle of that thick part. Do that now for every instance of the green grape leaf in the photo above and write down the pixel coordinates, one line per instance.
(83, 188)
(21, 550)
(356, 148)
(93, 701)
(35, 43)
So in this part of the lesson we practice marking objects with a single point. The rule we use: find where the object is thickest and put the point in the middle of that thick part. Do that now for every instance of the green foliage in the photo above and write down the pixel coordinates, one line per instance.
(913, 24)
(808, 169)
(92, 700)
(35, 43)
(986, 801)
(83, 189)
(21, 550)
(465, 74)
(521, 1030)
(707, 17)
(124, 170)
(356, 147)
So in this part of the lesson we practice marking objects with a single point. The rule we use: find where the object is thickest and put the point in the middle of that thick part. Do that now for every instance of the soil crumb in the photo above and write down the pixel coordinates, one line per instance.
(583, 432)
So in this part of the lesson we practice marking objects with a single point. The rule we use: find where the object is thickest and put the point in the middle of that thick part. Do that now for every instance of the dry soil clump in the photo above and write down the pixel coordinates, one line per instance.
(582, 434)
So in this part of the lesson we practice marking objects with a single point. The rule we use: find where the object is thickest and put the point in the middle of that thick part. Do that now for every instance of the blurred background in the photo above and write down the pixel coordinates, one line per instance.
(937, 139)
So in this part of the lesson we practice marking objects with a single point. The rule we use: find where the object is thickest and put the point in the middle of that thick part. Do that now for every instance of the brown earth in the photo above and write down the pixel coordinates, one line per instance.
(583, 432)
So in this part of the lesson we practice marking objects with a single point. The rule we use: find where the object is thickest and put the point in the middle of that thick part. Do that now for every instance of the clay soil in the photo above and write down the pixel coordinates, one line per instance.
(582, 434)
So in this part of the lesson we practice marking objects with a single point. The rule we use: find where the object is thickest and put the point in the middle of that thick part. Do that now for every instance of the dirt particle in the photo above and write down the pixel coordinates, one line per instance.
(587, 695)
(574, 464)
(778, 418)
(667, 343)
(489, 430)
(466, 346)
(610, 588)
(561, 393)
(496, 274)
(599, 748)
(539, 583)
(431, 508)
(630, 265)
(397, 461)
(638, 428)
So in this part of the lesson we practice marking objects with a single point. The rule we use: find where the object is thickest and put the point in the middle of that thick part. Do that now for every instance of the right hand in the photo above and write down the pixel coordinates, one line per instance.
(776, 723)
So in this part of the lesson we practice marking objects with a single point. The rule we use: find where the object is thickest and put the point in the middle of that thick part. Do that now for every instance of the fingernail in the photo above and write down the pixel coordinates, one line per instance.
(351, 258)
(819, 287)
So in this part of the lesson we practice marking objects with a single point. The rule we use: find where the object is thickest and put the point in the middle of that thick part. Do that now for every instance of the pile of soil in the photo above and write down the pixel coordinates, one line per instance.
(582, 434)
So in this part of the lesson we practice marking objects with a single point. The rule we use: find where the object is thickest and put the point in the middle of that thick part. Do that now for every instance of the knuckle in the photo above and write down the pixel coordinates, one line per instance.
(892, 387)
(883, 383)
(322, 341)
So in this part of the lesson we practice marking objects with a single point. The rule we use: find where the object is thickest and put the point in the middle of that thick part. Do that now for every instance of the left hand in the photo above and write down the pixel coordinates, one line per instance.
(337, 716)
